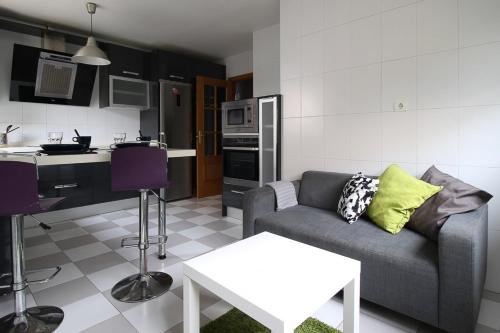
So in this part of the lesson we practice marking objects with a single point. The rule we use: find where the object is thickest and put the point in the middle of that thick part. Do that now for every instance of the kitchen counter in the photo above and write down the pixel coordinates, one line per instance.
(101, 155)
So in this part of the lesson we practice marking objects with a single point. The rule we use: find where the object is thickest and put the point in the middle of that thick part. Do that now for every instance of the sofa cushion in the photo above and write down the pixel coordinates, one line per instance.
(399, 194)
(356, 196)
(322, 189)
(399, 272)
(455, 198)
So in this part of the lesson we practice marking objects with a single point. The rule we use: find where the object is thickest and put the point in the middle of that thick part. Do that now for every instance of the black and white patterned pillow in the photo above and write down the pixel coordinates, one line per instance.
(356, 197)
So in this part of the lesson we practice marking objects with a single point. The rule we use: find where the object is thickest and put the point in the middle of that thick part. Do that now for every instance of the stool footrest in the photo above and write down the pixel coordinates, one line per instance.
(135, 241)
(47, 279)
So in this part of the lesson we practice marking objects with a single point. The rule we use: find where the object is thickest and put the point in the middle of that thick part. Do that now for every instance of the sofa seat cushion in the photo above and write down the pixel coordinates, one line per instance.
(397, 271)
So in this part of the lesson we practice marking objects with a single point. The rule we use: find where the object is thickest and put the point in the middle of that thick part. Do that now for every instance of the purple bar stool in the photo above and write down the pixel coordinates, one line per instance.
(142, 169)
(19, 197)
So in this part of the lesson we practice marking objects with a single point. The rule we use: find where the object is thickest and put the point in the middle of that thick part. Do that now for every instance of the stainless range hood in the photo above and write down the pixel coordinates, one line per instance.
(55, 76)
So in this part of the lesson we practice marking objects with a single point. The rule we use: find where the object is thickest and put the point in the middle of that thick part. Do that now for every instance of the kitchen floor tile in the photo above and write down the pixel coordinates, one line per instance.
(207, 210)
(66, 293)
(158, 265)
(91, 220)
(129, 220)
(187, 215)
(33, 232)
(176, 210)
(189, 249)
(67, 234)
(114, 243)
(117, 324)
(99, 262)
(235, 232)
(202, 219)
(217, 240)
(156, 315)
(40, 250)
(68, 272)
(87, 251)
(100, 227)
(116, 215)
(182, 225)
(216, 310)
(76, 242)
(37, 240)
(197, 232)
(86, 313)
(110, 233)
(219, 225)
(105, 279)
(64, 225)
(51, 260)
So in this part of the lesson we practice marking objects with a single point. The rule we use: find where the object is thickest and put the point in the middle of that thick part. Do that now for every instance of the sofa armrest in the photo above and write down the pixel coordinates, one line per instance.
(259, 202)
(463, 245)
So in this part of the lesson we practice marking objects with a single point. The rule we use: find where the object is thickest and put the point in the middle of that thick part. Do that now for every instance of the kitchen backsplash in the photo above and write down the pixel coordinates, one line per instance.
(36, 120)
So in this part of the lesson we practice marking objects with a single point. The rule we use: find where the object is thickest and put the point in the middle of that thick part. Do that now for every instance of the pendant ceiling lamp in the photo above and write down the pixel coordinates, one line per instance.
(91, 54)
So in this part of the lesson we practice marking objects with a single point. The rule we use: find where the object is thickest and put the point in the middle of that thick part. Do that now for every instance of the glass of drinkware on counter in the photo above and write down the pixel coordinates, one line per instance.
(55, 137)
(119, 137)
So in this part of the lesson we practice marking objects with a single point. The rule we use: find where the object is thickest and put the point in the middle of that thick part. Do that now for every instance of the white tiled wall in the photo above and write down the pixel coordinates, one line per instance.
(36, 119)
(344, 63)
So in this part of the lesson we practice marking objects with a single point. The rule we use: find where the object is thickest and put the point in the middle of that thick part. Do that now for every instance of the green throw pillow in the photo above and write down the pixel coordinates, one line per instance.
(399, 194)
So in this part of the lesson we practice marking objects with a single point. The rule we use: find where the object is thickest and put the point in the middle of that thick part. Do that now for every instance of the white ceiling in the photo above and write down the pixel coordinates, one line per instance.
(214, 28)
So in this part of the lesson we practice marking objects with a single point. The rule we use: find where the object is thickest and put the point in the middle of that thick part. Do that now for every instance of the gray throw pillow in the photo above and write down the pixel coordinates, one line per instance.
(455, 198)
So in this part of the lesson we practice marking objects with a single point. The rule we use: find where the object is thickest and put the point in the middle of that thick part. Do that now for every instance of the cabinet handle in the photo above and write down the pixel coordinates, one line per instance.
(130, 73)
(178, 77)
(241, 148)
(237, 192)
(61, 186)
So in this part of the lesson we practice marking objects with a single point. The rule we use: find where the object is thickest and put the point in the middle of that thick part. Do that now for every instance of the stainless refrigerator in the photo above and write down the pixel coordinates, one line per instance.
(176, 121)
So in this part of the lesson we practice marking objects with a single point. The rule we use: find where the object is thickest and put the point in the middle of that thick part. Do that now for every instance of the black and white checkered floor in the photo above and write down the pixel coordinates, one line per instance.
(92, 261)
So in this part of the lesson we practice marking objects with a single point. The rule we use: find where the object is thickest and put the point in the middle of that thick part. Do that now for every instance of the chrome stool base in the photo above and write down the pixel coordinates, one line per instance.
(40, 319)
(139, 287)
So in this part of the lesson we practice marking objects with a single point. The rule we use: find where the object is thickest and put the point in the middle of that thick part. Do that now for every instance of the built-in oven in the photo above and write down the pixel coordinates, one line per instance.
(241, 160)
(240, 116)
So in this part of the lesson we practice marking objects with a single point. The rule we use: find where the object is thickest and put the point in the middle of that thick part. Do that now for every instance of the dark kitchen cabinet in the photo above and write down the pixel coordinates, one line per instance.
(177, 67)
(81, 184)
(128, 62)
(72, 181)
(171, 66)
(209, 69)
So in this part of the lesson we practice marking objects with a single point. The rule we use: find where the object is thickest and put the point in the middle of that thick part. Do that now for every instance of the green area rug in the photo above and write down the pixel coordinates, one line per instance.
(236, 321)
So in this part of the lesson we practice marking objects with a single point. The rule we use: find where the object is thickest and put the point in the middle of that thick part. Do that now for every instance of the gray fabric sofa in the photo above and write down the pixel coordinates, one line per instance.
(437, 283)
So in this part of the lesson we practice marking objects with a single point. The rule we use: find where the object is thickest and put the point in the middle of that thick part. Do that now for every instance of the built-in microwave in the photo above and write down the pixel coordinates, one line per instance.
(240, 116)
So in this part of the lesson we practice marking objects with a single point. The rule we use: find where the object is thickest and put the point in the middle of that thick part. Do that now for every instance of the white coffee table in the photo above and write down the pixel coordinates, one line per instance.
(277, 281)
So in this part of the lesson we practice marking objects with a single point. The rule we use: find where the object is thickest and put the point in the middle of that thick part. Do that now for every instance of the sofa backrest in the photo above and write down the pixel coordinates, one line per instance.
(321, 189)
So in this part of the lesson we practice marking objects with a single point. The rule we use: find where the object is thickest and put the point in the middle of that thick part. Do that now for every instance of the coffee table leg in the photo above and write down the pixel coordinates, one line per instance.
(284, 329)
(351, 306)
(191, 306)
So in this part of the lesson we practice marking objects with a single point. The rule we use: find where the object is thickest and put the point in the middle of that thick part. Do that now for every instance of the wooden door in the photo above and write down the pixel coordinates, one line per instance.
(210, 93)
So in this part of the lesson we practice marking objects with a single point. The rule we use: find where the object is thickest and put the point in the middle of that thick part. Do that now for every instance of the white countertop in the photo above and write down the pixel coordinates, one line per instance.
(102, 155)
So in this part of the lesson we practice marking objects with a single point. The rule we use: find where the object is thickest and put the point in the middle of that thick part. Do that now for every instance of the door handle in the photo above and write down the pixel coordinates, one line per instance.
(130, 73)
(237, 192)
(200, 137)
(178, 77)
(61, 186)
(241, 148)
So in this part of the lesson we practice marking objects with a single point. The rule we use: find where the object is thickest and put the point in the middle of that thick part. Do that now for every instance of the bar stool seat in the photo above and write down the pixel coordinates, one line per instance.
(141, 169)
(19, 197)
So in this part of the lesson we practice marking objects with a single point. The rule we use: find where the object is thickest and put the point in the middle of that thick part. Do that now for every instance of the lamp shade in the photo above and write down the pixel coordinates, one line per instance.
(91, 54)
